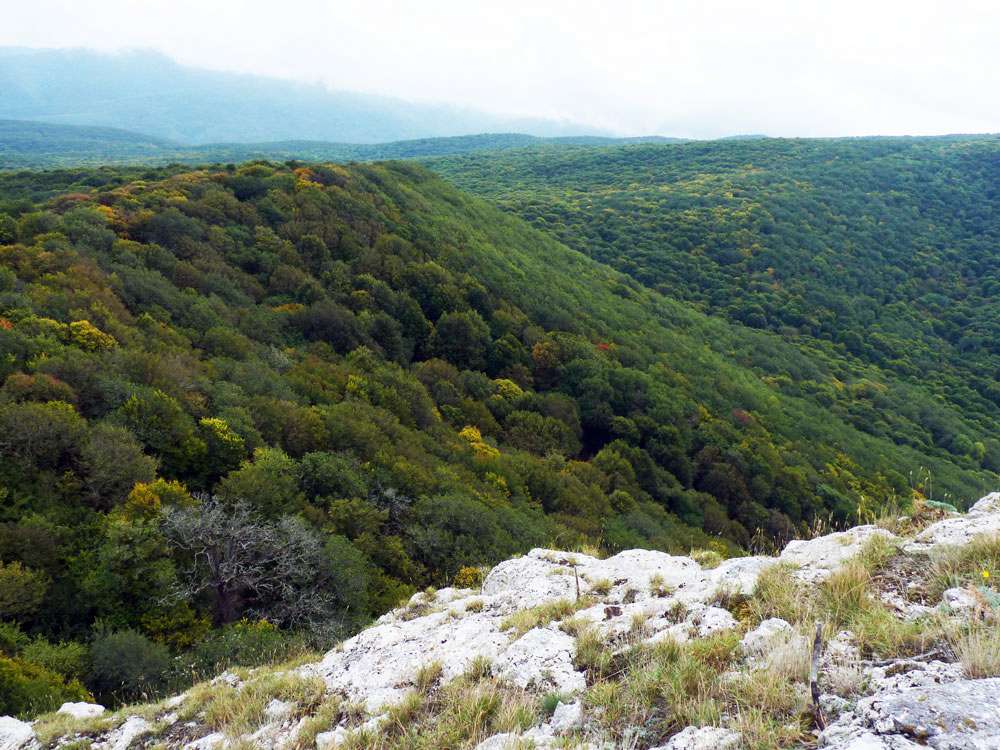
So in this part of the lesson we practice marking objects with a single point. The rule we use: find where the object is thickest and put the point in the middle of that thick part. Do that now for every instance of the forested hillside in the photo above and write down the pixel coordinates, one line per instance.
(878, 256)
(374, 382)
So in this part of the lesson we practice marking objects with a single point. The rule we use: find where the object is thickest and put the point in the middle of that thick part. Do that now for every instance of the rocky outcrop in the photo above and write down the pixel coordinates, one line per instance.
(15, 735)
(521, 627)
(932, 707)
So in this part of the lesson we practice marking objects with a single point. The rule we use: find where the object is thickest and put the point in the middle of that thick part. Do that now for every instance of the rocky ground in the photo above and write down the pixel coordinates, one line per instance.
(639, 650)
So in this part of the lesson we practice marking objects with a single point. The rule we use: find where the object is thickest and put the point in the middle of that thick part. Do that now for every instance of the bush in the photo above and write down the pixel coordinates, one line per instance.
(127, 665)
(246, 643)
(28, 689)
(67, 659)
(21, 589)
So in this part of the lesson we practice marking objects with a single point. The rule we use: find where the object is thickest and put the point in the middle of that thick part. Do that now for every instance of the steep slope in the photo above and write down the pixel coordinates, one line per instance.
(383, 382)
(150, 93)
(879, 257)
(642, 650)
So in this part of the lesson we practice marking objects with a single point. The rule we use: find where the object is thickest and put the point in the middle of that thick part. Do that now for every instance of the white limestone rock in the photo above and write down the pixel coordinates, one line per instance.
(988, 504)
(277, 710)
(982, 519)
(766, 636)
(378, 665)
(739, 574)
(122, 737)
(81, 710)
(16, 734)
(529, 580)
(818, 558)
(567, 717)
(543, 659)
(504, 741)
(330, 740)
(711, 620)
(959, 601)
(703, 738)
(960, 714)
(208, 742)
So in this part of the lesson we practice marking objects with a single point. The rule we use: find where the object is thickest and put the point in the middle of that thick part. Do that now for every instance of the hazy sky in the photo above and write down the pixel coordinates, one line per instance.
(676, 67)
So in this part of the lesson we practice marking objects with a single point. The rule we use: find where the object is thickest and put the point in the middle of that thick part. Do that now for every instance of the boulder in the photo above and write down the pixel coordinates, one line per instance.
(81, 710)
(567, 717)
(543, 659)
(329, 740)
(960, 714)
(712, 620)
(208, 742)
(988, 504)
(982, 519)
(818, 558)
(765, 636)
(122, 737)
(16, 734)
(959, 601)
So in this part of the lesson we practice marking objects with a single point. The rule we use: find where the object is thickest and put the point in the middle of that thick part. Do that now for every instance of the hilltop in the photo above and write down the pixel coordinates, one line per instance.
(859, 639)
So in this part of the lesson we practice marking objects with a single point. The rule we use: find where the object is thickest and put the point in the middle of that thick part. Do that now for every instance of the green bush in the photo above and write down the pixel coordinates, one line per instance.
(67, 659)
(245, 643)
(128, 666)
(28, 689)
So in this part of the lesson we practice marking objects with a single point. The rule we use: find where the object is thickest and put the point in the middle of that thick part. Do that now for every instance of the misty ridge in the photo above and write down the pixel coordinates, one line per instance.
(147, 92)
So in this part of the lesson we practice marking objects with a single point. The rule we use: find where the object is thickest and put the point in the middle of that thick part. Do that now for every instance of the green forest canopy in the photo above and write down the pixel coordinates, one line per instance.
(875, 255)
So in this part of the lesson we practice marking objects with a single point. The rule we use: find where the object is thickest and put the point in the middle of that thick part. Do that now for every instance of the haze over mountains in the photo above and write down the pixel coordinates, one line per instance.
(147, 92)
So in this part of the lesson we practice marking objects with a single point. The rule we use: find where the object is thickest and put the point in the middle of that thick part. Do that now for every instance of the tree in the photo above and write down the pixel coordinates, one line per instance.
(463, 339)
(269, 483)
(532, 432)
(112, 462)
(42, 434)
(247, 566)
(8, 230)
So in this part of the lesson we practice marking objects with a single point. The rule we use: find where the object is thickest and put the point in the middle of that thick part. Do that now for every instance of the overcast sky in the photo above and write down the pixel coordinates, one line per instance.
(695, 68)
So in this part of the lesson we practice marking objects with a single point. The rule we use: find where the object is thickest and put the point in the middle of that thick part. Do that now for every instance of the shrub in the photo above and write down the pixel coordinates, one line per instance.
(28, 689)
(67, 659)
(21, 589)
(127, 665)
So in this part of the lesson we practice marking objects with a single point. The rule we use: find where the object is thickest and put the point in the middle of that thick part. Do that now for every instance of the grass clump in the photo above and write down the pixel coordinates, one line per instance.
(428, 676)
(535, 617)
(658, 587)
(325, 716)
(460, 714)
(239, 710)
(600, 587)
(974, 564)
(54, 726)
(978, 649)
(657, 690)
(706, 558)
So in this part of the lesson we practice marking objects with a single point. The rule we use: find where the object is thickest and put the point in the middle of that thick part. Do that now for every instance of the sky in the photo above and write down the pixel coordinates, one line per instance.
(688, 68)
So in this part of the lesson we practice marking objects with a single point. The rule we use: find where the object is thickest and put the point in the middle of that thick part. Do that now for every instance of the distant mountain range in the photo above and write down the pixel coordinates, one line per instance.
(148, 92)
(30, 144)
